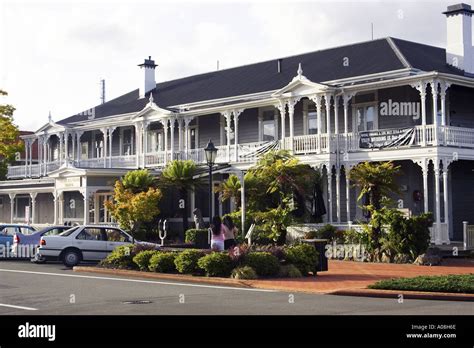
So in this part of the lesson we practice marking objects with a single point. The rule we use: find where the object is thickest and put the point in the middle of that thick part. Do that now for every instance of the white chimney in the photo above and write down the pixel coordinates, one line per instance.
(459, 50)
(148, 83)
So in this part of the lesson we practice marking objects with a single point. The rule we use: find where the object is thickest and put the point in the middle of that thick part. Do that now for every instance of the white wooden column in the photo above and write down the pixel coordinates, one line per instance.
(27, 148)
(105, 145)
(437, 201)
(61, 147)
(40, 155)
(12, 206)
(281, 106)
(445, 238)
(338, 193)
(421, 87)
(336, 114)
(424, 171)
(55, 208)
(443, 88)
(73, 144)
(329, 178)
(327, 100)
(434, 92)
(85, 194)
(236, 133)
(172, 122)
(61, 208)
(145, 142)
(348, 192)
(78, 145)
(317, 101)
(66, 146)
(33, 207)
(291, 114)
(186, 137)
(180, 136)
(165, 132)
(111, 133)
(345, 101)
(227, 115)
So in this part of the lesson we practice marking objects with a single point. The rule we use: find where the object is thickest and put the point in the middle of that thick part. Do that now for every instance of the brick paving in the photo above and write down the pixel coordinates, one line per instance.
(349, 275)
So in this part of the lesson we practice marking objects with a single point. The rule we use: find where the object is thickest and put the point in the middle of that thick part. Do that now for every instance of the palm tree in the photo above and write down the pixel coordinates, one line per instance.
(376, 181)
(180, 176)
(230, 189)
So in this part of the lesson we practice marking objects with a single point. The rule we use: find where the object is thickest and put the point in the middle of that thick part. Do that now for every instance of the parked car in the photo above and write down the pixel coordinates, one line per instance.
(83, 243)
(24, 245)
(7, 231)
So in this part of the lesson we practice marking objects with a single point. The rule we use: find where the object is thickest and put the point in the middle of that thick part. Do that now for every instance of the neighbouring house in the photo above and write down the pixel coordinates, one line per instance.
(386, 99)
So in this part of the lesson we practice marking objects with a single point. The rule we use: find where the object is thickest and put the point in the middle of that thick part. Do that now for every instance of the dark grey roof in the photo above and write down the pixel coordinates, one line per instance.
(458, 8)
(324, 65)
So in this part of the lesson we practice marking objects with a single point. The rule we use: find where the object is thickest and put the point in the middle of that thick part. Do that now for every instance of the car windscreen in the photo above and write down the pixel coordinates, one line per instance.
(68, 232)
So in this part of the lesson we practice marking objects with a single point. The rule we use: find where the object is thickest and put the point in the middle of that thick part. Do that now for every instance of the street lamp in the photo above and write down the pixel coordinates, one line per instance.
(211, 154)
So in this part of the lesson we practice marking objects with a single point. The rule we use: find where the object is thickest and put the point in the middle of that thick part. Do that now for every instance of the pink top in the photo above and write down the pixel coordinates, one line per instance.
(219, 237)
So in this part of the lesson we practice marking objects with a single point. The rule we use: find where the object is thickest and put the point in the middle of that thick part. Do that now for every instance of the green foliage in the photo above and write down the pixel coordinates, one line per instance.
(179, 175)
(272, 224)
(289, 271)
(142, 259)
(216, 264)
(197, 237)
(230, 189)
(187, 261)
(328, 232)
(264, 263)
(138, 180)
(376, 180)
(134, 203)
(122, 256)
(454, 283)
(10, 142)
(406, 236)
(163, 262)
(245, 272)
(304, 257)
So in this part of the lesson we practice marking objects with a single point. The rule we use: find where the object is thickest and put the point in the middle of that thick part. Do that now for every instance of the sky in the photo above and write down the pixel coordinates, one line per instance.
(53, 54)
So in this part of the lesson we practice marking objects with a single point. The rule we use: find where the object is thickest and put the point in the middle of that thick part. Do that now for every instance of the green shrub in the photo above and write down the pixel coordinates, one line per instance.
(122, 256)
(142, 259)
(217, 264)
(264, 263)
(187, 261)
(304, 257)
(328, 232)
(245, 272)
(457, 283)
(163, 262)
(198, 237)
(289, 271)
(407, 236)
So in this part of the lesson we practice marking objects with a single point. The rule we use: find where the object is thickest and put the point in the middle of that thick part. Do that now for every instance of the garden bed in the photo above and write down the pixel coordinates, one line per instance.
(463, 283)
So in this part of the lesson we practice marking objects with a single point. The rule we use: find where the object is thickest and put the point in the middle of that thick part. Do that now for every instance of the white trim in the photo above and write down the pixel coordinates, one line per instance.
(261, 111)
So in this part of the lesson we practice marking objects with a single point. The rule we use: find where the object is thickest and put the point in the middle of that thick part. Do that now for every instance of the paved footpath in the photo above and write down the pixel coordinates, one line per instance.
(349, 275)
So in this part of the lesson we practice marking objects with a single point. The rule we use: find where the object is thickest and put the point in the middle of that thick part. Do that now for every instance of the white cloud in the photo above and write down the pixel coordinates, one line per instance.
(54, 53)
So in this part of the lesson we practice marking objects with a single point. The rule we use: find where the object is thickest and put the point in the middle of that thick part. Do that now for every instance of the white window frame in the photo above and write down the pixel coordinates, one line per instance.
(107, 216)
(196, 142)
(86, 145)
(132, 140)
(306, 118)
(276, 116)
(98, 151)
(375, 104)
(15, 215)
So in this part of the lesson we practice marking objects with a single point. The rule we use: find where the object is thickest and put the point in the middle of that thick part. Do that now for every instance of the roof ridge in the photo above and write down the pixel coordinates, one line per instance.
(273, 59)
(399, 53)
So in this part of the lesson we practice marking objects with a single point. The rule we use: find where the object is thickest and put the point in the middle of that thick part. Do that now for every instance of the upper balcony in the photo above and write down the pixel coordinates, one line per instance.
(420, 137)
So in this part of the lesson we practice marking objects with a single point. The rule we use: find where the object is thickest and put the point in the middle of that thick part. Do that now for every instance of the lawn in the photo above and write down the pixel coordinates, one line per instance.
(449, 283)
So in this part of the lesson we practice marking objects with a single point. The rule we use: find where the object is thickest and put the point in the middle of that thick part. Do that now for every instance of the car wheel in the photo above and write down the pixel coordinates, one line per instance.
(71, 258)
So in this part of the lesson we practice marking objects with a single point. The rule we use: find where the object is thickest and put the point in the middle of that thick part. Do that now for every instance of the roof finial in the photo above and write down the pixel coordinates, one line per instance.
(50, 118)
(151, 98)
(300, 70)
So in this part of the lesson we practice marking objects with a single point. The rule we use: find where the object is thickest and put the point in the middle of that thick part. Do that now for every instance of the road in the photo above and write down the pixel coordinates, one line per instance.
(27, 288)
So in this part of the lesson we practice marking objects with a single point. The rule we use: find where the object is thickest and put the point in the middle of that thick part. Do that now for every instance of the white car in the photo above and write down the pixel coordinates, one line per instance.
(82, 243)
